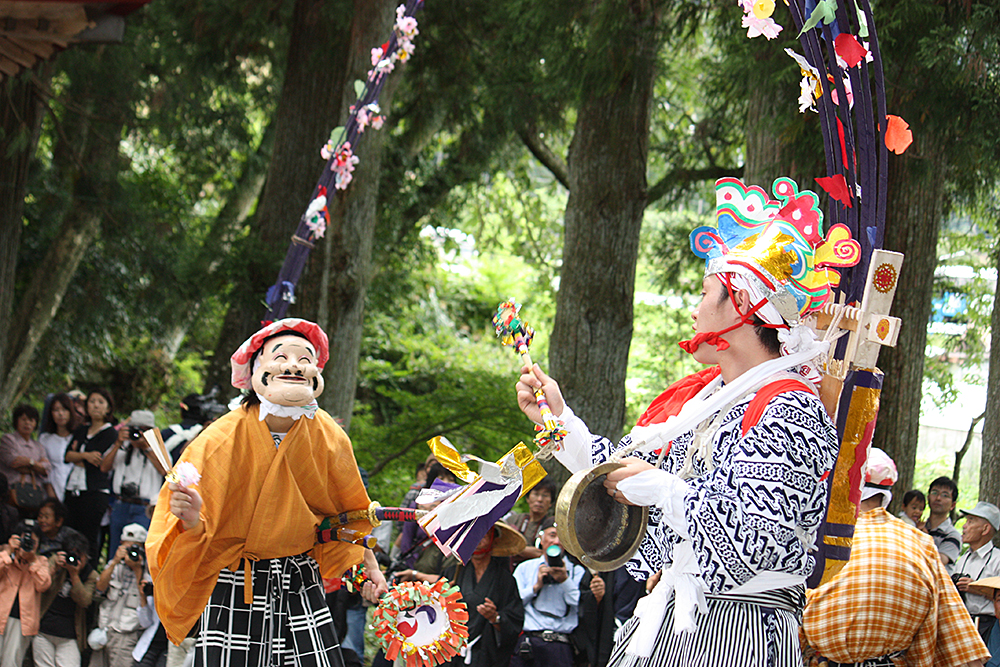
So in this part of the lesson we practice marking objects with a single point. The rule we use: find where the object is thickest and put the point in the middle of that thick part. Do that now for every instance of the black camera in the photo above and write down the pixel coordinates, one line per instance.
(553, 558)
(71, 559)
(27, 541)
(135, 552)
(147, 588)
(954, 579)
(129, 491)
(134, 433)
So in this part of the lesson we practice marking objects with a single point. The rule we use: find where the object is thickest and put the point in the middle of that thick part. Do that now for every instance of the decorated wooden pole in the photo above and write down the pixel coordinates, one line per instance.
(855, 384)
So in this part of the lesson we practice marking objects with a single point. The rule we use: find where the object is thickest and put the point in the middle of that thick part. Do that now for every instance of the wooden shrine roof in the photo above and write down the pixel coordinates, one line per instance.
(31, 31)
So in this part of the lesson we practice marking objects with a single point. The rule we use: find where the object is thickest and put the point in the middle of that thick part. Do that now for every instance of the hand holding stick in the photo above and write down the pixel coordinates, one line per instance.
(513, 331)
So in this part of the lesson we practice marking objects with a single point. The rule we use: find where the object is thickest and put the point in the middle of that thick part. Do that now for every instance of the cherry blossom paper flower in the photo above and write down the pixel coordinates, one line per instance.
(328, 148)
(186, 474)
(343, 164)
(757, 27)
(377, 54)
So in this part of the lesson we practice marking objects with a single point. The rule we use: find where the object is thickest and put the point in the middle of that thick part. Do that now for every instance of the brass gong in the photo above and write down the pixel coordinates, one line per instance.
(600, 531)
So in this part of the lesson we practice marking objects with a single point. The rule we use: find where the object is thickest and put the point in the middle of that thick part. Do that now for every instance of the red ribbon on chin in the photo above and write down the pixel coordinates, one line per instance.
(711, 337)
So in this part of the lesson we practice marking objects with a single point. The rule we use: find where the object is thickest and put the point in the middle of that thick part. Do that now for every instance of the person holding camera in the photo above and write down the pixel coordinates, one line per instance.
(63, 627)
(981, 561)
(137, 475)
(23, 577)
(550, 590)
(122, 584)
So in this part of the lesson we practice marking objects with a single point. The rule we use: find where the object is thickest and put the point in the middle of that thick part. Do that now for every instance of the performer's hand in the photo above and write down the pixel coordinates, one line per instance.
(185, 504)
(488, 610)
(631, 467)
(531, 379)
(375, 587)
(597, 588)
(653, 580)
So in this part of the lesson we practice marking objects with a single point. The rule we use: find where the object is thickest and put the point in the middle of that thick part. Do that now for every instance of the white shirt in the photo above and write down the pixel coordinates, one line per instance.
(978, 564)
(555, 607)
(55, 449)
(140, 470)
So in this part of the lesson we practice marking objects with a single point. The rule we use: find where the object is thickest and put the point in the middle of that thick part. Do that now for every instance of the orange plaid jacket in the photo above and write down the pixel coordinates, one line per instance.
(893, 595)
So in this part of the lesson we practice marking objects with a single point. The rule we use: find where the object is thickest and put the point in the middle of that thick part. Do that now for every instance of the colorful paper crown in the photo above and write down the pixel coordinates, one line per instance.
(778, 245)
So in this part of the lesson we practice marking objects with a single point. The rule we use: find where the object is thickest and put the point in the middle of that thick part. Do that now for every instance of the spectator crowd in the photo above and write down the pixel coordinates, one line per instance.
(80, 487)
(75, 588)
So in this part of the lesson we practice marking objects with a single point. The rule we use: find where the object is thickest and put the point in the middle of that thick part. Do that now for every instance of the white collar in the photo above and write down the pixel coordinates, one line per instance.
(295, 412)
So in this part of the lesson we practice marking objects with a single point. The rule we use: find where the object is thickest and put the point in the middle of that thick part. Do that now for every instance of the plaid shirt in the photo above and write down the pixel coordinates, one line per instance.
(893, 595)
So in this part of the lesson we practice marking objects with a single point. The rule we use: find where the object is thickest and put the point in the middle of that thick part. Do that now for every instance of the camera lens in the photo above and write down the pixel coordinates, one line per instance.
(134, 433)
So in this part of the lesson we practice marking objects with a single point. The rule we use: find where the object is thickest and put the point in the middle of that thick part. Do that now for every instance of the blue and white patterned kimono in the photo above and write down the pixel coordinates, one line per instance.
(752, 513)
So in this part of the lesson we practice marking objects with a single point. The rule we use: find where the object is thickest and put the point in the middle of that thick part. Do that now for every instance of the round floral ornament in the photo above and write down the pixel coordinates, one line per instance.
(423, 623)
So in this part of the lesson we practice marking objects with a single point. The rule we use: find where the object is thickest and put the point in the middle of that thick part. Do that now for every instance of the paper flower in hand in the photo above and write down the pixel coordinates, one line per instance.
(184, 474)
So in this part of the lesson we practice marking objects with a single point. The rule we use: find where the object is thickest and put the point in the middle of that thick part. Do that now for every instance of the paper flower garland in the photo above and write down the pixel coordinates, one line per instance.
(423, 623)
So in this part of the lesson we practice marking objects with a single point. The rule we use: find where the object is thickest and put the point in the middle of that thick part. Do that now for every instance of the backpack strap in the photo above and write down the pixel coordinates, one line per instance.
(763, 397)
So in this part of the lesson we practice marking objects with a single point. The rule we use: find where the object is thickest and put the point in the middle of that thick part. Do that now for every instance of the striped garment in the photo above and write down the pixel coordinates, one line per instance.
(893, 595)
(756, 630)
(288, 624)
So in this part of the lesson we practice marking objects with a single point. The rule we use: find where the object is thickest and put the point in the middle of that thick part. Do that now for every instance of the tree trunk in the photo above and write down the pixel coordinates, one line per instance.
(88, 159)
(20, 112)
(588, 352)
(307, 112)
(914, 210)
(337, 280)
(989, 467)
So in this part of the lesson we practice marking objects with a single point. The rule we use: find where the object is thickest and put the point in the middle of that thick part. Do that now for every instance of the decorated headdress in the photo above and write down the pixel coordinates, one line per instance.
(880, 475)
(240, 360)
(777, 246)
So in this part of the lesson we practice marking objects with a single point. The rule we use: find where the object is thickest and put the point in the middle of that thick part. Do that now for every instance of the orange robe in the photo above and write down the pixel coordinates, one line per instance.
(260, 502)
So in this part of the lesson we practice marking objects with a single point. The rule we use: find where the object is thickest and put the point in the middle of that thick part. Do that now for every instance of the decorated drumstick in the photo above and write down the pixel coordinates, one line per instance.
(513, 331)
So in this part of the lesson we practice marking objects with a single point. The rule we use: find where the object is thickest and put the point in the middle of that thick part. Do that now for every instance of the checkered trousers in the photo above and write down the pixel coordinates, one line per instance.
(287, 625)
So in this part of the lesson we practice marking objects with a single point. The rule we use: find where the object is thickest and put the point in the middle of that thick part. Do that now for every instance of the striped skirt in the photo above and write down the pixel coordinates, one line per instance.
(759, 630)
(287, 625)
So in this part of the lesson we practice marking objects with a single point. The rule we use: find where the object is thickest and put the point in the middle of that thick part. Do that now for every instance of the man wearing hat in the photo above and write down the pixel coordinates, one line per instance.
(893, 602)
(734, 460)
(981, 561)
(137, 477)
(121, 583)
(234, 543)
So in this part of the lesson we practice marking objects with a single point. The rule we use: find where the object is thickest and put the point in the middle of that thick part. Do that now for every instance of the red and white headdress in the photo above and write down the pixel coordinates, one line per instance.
(241, 358)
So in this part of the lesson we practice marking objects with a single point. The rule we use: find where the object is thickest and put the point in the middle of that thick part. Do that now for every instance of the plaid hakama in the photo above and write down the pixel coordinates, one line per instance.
(754, 630)
(287, 625)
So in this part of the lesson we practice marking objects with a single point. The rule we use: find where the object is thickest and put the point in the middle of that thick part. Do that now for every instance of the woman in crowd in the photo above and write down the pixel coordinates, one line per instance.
(87, 488)
(23, 459)
(57, 430)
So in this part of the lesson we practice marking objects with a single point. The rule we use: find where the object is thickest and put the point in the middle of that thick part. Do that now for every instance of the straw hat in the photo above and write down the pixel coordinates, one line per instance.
(986, 587)
(508, 541)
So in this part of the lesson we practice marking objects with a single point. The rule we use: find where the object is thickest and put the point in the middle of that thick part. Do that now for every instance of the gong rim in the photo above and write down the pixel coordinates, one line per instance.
(593, 526)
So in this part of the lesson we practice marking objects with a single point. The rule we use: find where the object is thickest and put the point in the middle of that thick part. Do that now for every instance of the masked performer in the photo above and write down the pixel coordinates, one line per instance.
(238, 548)
(738, 496)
